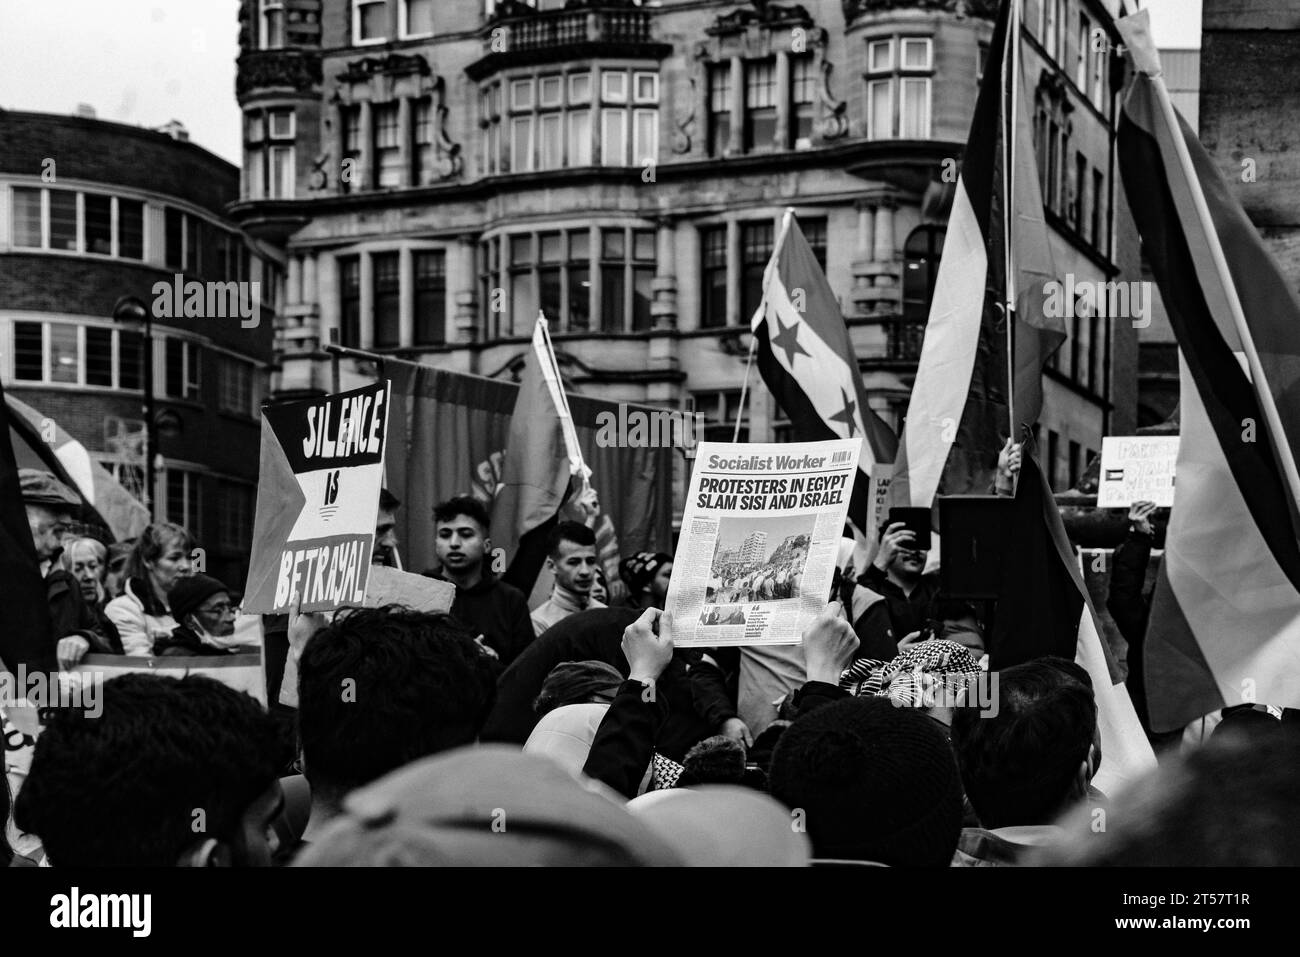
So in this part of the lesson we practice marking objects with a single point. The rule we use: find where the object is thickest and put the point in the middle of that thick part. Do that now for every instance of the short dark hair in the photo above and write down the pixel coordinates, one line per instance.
(874, 782)
(1018, 765)
(388, 502)
(463, 505)
(121, 790)
(419, 685)
(574, 532)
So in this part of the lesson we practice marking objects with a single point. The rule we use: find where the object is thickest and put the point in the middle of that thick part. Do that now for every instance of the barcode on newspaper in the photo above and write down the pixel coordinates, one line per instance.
(840, 457)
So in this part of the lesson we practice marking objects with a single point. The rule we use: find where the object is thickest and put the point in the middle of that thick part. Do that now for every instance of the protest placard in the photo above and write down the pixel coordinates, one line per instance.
(1137, 468)
(317, 500)
(760, 534)
(391, 586)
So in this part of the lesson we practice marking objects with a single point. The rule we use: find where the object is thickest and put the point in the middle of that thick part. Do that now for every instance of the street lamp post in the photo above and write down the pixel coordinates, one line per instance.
(131, 309)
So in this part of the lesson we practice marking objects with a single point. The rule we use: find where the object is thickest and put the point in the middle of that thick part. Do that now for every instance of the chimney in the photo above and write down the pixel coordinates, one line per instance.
(176, 130)
(85, 111)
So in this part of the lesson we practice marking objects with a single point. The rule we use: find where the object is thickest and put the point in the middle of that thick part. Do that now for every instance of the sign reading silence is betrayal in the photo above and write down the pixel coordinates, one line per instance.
(317, 500)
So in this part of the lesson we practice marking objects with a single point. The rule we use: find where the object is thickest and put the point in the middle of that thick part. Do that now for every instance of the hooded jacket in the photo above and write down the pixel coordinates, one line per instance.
(495, 610)
(140, 619)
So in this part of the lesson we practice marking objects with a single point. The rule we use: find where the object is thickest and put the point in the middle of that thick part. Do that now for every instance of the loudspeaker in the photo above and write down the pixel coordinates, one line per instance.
(975, 531)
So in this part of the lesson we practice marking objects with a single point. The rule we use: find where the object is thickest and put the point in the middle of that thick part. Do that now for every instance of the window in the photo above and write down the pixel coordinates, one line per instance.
(720, 411)
(1094, 351)
(130, 229)
(350, 301)
(909, 85)
(613, 137)
(523, 286)
(235, 502)
(351, 119)
(489, 259)
(369, 21)
(1082, 55)
(1080, 188)
(760, 105)
(423, 133)
(1053, 455)
(713, 270)
(1100, 67)
(613, 255)
(578, 281)
(814, 230)
(627, 268)
(1074, 464)
(388, 152)
(386, 275)
(27, 217)
(74, 354)
(490, 123)
(64, 220)
(756, 241)
(550, 117)
(921, 255)
(183, 500)
(804, 99)
(272, 24)
(180, 368)
(430, 297)
(415, 18)
(719, 108)
(1049, 27)
(269, 154)
(1098, 203)
(236, 386)
(70, 221)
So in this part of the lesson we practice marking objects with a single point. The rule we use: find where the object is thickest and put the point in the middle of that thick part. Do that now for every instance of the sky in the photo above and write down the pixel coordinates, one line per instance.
(146, 62)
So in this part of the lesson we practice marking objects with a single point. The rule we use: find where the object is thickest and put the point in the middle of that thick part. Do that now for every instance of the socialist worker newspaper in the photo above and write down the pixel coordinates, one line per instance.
(760, 533)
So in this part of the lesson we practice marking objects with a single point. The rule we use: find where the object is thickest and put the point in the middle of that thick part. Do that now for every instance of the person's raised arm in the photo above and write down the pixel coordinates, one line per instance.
(829, 646)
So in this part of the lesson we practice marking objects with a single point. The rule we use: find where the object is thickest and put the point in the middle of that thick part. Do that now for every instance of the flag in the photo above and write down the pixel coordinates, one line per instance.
(25, 638)
(1044, 609)
(805, 357)
(56, 451)
(450, 431)
(959, 417)
(543, 466)
(1224, 627)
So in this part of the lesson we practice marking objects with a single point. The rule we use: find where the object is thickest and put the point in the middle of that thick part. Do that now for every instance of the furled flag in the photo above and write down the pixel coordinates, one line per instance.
(807, 360)
(543, 466)
(959, 415)
(1044, 609)
(1224, 626)
(25, 638)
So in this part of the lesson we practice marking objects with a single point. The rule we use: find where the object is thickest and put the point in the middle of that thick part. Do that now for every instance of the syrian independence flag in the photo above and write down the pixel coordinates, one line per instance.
(958, 417)
(1224, 627)
(542, 459)
(807, 360)
(25, 639)
(1044, 609)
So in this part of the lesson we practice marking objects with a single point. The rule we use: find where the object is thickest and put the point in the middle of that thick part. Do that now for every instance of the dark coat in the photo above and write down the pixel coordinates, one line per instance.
(70, 615)
(498, 612)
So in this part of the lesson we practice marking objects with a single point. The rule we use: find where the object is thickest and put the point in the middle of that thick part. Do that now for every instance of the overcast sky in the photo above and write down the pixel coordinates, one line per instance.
(149, 61)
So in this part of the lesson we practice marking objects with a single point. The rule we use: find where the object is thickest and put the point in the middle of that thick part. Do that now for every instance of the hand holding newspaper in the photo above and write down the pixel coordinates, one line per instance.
(760, 534)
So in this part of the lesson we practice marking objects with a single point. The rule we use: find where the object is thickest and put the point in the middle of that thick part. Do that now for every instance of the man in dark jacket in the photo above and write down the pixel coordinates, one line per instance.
(496, 612)
(51, 508)
(203, 607)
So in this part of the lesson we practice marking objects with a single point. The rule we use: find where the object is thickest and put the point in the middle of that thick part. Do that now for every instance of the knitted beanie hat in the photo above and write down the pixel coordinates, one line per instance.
(874, 783)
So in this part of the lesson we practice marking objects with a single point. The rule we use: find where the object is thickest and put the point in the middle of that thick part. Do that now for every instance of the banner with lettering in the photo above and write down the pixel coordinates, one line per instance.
(317, 500)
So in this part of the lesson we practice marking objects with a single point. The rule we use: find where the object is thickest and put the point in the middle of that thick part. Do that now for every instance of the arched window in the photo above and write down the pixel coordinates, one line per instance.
(920, 269)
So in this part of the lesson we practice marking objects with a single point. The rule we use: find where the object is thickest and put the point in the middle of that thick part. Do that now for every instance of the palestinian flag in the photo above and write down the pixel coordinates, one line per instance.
(1224, 627)
(25, 638)
(807, 360)
(1044, 609)
(959, 414)
(543, 466)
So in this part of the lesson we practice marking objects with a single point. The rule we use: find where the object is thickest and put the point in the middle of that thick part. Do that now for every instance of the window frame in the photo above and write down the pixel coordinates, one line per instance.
(264, 9)
(404, 21)
(355, 37)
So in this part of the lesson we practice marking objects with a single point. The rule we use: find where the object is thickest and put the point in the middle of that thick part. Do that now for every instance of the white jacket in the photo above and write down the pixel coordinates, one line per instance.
(138, 629)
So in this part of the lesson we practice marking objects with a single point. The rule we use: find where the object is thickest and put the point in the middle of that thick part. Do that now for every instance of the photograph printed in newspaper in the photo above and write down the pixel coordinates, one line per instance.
(760, 532)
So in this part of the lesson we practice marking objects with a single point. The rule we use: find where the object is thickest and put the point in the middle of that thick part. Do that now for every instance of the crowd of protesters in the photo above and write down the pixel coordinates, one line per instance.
(575, 733)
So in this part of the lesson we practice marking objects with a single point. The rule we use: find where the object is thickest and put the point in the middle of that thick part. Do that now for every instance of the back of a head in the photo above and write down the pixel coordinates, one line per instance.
(1230, 803)
(574, 532)
(381, 687)
(874, 782)
(123, 788)
(1021, 765)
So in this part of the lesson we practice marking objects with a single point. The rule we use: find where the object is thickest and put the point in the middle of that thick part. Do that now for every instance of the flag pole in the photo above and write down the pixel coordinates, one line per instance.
(570, 433)
(1010, 77)
(1136, 32)
(759, 314)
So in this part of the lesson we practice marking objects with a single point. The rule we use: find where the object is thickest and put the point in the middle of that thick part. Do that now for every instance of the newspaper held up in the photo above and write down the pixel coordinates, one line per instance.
(760, 533)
